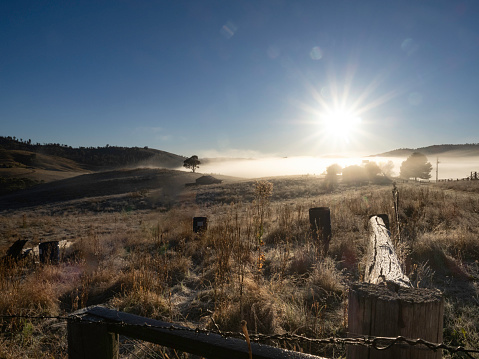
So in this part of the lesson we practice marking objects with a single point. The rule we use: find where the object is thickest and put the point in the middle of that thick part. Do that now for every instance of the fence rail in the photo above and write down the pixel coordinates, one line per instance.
(95, 322)
(93, 333)
(354, 339)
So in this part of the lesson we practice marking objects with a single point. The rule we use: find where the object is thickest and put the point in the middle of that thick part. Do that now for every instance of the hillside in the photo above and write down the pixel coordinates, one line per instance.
(109, 191)
(88, 158)
(466, 150)
(24, 164)
(106, 189)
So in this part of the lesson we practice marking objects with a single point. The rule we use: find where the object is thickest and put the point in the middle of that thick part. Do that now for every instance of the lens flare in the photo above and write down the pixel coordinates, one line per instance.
(316, 53)
(228, 30)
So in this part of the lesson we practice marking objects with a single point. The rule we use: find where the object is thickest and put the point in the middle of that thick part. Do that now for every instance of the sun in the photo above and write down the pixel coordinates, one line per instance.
(340, 124)
(340, 109)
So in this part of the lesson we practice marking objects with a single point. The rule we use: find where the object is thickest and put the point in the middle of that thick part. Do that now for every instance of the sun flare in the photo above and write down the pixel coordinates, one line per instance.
(341, 112)
(340, 124)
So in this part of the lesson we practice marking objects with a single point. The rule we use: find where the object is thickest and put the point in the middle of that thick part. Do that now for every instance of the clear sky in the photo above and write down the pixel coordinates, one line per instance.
(241, 78)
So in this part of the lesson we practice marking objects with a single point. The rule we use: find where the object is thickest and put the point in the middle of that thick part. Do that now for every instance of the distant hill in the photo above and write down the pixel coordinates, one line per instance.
(24, 164)
(467, 150)
(28, 159)
(19, 153)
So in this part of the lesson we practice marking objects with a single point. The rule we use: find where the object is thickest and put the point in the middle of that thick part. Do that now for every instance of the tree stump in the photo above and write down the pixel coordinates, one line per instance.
(387, 305)
(388, 311)
(15, 250)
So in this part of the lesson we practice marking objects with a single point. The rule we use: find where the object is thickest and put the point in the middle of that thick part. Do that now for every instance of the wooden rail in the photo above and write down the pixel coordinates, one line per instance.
(93, 333)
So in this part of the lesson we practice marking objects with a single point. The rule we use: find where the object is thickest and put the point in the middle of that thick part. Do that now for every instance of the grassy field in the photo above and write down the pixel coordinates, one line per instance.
(132, 248)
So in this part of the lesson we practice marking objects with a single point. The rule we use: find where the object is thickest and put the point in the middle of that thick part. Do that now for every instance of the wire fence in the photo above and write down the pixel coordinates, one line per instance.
(132, 348)
(138, 349)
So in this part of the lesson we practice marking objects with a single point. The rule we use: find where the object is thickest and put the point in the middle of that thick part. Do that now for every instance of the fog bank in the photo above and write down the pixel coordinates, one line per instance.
(449, 168)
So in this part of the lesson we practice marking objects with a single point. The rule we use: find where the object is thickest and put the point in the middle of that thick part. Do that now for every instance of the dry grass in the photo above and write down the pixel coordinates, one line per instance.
(256, 262)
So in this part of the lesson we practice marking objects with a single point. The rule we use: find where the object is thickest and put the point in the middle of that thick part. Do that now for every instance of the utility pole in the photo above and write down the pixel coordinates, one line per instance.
(437, 169)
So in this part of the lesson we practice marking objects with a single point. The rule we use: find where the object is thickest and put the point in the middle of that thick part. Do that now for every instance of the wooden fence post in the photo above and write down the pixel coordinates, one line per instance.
(90, 339)
(200, 224)
(320, 223)
(387, 305)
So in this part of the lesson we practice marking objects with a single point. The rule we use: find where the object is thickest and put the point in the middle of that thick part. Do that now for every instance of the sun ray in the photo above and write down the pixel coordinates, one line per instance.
(337, 112)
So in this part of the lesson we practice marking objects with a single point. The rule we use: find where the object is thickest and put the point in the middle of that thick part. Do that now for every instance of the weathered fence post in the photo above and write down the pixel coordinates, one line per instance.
(320, 222)
(387, 305)
(200, 224)
(88, 338)
(49, 252)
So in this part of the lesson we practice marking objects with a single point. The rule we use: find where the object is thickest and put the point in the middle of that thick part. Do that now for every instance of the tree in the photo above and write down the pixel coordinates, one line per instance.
(333, 170)
(375, 173)
(355, 175)
(331, 178)
(193, 162)
(387, 168)
(416, 166)
(372, 170)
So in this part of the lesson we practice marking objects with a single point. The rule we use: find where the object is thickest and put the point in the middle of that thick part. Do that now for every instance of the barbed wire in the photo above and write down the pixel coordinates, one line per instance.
(39, 317)
(378, 343)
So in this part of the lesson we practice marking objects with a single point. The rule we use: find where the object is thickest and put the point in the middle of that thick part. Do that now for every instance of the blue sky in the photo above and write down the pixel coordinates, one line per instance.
(241, 78)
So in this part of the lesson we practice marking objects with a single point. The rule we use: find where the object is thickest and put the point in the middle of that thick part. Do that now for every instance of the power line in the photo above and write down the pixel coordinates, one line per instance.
(437, 169)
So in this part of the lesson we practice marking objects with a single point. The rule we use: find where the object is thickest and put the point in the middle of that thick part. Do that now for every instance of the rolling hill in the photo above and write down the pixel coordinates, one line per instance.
(24, 153)
(24, 164)
(466, 150)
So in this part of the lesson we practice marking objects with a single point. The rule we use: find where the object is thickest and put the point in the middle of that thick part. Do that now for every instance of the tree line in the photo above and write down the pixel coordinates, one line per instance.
(416, 166)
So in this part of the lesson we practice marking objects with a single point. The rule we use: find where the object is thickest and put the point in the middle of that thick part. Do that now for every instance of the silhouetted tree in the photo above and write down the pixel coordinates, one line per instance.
(355, 175)
(387, 168)
(331, 178)
(193, 162)
(416, 166)
(372, 170)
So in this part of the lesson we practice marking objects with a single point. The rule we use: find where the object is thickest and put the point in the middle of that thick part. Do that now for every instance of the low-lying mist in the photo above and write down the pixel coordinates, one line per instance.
(449, 168)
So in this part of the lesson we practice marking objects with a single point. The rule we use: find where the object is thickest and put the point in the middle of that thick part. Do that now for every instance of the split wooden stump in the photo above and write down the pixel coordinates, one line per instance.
(386, 305)
(382, 263)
